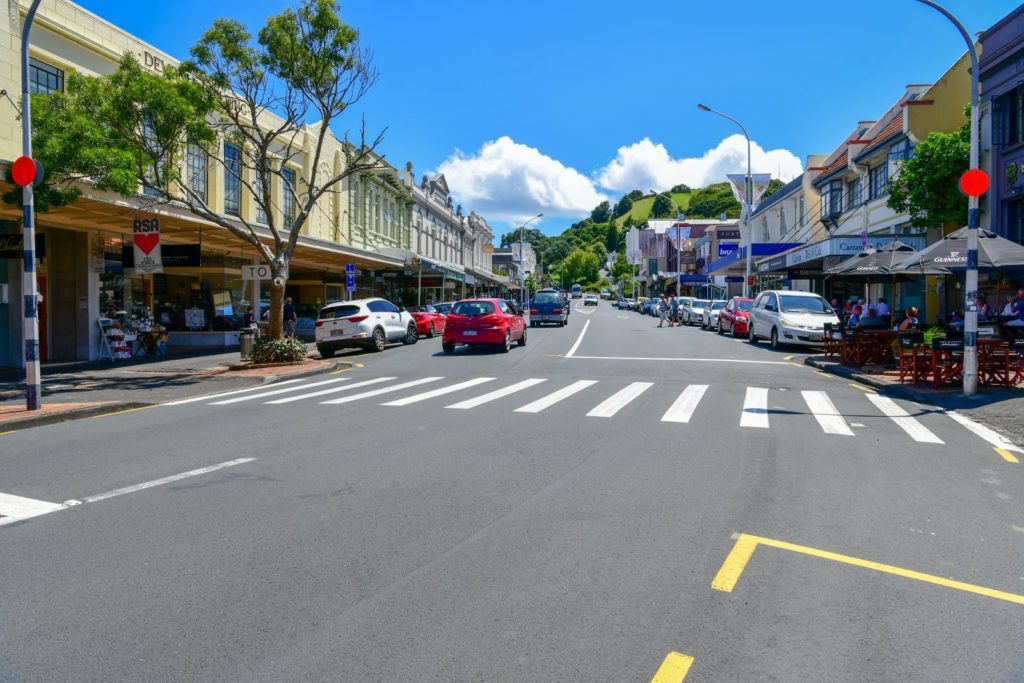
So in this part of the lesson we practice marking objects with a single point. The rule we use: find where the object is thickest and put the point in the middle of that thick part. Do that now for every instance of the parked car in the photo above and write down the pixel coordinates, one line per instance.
(734, 316)
(709, 321)
(443, 308)
(366, 323)
(590, 299)
(694, 312)
(638, 305)
(626, 304)
(788, 317)
(484, 321)
(684, 303)
(429, 321)
(605, 294)
(548, 306)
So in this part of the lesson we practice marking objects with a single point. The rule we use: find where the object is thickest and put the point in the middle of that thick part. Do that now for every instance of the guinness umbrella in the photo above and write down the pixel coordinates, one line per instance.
(871, 262)
(949, 255)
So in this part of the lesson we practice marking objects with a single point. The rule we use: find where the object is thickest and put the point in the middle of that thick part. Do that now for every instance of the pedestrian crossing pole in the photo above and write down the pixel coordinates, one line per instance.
(33, 382)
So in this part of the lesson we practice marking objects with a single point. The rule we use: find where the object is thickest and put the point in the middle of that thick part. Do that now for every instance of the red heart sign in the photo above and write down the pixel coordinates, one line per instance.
(147, 242)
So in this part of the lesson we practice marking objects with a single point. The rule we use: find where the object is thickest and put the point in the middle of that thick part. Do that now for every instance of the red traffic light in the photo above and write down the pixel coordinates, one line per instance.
(750, 280)
(23, 171)
(974, 182)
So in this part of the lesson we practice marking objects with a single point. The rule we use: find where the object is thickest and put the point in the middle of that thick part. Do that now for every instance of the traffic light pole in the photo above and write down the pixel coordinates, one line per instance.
(33, 381)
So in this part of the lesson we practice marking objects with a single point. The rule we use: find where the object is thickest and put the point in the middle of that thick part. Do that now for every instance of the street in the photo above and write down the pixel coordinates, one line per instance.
(557, 513)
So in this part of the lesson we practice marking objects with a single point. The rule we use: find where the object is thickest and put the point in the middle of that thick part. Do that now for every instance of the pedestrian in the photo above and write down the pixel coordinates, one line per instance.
(290, 318)
(662, 310)
(674, 312)
(250, 318)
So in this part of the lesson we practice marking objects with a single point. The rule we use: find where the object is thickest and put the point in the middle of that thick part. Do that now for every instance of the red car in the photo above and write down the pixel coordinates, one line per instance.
(484, 321)
(429, 320)
(735, 316)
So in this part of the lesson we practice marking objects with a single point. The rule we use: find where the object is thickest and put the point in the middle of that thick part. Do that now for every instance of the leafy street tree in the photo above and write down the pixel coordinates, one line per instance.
(611, 237)
(602, 213)
(623, 206)
(774, 185)
(663, 207)
(580, 266)
(927, 186)
(134, 128)
(712, 201)
(621, 270)
(635, 195)
(679, 189)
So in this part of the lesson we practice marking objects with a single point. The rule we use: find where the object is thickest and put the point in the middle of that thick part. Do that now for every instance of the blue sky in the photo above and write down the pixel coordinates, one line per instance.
(526, 105)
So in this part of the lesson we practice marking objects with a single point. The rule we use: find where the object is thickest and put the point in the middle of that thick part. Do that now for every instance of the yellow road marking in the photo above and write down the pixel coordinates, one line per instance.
(737, 560)
(673, 669)
(1007, 455)
(130, 410)
(338, 372)
(10, 432)
(360, 365)
(796, 365)
(863, 388)
(825, 374)
(788, 357)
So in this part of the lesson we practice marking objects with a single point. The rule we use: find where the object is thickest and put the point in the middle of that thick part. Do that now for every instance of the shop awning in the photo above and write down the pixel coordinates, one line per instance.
(740, 255)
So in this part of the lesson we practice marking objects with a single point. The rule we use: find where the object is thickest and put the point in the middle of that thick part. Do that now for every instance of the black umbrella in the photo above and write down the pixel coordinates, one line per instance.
(949, 255)
(875, 261)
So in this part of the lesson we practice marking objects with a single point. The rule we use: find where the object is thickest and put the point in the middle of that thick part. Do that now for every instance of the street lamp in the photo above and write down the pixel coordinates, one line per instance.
(971, 293)
(29, 285)
(522, 264)
(748, 195)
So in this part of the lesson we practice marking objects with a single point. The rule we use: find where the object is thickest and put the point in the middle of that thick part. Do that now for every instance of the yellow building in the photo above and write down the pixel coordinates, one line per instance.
(85, 266)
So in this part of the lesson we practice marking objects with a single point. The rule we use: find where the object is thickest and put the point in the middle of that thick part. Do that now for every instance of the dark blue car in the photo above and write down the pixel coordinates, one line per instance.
(547, 306)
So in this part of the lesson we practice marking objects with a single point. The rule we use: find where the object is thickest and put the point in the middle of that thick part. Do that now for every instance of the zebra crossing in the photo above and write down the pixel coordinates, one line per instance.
(603, 399)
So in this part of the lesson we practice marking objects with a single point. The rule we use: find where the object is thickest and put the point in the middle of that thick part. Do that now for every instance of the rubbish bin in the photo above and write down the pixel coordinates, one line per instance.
(245, 340)
(263, 330)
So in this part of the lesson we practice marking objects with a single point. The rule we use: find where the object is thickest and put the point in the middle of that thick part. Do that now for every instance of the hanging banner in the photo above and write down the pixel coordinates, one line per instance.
(146, 243)
(759, 181)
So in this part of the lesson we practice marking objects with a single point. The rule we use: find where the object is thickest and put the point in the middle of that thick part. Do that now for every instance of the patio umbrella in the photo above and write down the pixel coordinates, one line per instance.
(949, 255)
(871, 262)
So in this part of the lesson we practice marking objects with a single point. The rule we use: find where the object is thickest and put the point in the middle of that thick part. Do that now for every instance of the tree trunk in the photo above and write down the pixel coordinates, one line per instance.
(280, 279)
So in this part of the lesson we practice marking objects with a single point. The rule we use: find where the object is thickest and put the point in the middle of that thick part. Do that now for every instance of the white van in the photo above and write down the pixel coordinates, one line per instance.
(786, 317)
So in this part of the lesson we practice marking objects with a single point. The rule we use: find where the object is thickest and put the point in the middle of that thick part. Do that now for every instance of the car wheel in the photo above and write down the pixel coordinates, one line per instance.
(751, 337)
(431, 332)
(719, 327)
(379, 341)
(522, 340)
(448, 347)
(732, 329)
(775, 338)
(561, 323)
(325, 352)
(412, 335)
(506, 345)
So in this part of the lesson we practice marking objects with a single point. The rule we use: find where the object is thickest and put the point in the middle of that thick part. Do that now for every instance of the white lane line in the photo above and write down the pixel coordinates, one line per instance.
(263, 394)
(553, 398)
(916, 430)
(688, 360)
(495, 395)
(16, 508)
(825, 413)
(755, 408)
(438, 392)
(378, 392)
(682, 409)
(332, 390)
(579, 340)
(166, 480)
(232, 393)
(619, 400)
(993, 437)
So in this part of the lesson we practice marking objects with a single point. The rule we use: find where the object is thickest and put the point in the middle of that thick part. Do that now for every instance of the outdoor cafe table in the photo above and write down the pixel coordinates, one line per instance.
(868, 347)
(998, 362)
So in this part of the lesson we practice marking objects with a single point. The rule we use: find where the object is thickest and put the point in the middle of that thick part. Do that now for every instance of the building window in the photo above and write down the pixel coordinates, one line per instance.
(854, 194)
(198, 178)
(800, 211)
(1006, 117)
(232, 179)
(288, 205)
(832, 198)
(879, 177)
(43, 78)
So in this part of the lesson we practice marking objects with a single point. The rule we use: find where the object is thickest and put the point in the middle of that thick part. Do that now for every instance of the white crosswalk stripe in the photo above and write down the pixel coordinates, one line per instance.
(274, 392)
(553, 398)
(439, 392)
(231, 393)
(332, 390)
(495, 395)
(755, 408)
(682, 409)
(16, 508)
(825, 413)
(619, 400)
(916, 430)
(378, 392)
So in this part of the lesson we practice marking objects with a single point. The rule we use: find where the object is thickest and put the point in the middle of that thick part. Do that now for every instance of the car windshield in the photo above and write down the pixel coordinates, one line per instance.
(421, 309)
(334, 312)
(699, 303)
(746, 305)
(717, 305)
(470, 308)
(791, 303)
(546, 298)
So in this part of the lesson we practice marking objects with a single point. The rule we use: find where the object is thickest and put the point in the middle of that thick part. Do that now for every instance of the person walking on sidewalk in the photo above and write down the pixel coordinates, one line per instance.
(662, 310)
(290, 318)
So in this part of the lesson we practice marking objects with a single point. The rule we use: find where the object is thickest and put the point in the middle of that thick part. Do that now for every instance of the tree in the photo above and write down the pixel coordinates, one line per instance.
(635, 195)
(712, 201)
(680, 189)
(663, 207)
(927, 186)
(602, 213)
(580, 266)
(774, 185)
(611, 237)
(621, 270)
(623, 206)
(134, 128)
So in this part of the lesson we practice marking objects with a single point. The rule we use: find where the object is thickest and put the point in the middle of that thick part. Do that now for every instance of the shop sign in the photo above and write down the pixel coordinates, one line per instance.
(848, 245)
(728, 234)
(777, 263)
(146, 245)
(809, 253)
(173, 256)
(11, 246)
(688, 257)
(726, 248)
(734, 278)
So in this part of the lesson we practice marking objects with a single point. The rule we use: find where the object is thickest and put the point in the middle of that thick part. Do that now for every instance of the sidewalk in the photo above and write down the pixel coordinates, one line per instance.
(76, 390)
(997, 407)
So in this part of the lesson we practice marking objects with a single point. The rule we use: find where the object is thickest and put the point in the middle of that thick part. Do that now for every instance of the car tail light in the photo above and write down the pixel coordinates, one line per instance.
(357, 318)
(534, 311)
(319, 323)
(558, 310)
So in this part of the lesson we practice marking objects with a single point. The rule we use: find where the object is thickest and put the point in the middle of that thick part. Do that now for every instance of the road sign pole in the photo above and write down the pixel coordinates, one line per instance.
(29, 285)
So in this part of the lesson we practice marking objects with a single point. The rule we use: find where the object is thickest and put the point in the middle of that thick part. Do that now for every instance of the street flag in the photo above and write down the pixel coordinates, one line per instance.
(146, 234)
(737, 182)
(761, 182)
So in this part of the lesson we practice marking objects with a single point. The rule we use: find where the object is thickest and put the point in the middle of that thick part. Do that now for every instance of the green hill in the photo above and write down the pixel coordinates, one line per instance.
(642, 207)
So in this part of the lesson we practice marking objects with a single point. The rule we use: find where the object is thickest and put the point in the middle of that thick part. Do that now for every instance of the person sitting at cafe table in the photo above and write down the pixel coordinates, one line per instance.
(854, 321)
(1008, 308)
(872, 321)
(883, 308)
(984, 310)
(910, 322)
(1018, 310)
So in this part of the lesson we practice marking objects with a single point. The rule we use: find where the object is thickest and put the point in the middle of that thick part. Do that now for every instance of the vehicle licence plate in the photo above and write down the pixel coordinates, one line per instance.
(337, 333)
(469, 333)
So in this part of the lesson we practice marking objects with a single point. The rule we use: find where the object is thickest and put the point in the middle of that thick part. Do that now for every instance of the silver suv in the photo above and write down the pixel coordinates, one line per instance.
(366, 323)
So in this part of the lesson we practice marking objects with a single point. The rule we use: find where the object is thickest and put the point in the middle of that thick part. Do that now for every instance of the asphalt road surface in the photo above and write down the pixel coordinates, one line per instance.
(578, 509)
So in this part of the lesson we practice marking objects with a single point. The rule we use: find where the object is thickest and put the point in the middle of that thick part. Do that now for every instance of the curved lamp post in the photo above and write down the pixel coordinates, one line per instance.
(748, 194)
(522, 264)
(971, 289)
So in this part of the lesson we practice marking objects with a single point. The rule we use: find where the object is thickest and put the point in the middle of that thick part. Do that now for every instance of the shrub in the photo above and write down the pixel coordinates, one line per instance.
(287, 350)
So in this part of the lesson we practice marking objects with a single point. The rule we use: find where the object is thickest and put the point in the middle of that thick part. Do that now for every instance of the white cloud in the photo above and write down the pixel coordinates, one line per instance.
(510, 181)
(645, 165)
